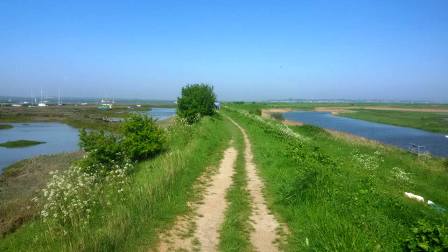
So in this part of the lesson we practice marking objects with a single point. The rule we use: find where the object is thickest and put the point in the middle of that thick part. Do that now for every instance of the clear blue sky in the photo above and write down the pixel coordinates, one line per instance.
(254, 50)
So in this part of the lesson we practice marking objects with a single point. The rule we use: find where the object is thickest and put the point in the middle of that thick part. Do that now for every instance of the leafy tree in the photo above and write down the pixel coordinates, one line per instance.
(196, 101)
(142, 137)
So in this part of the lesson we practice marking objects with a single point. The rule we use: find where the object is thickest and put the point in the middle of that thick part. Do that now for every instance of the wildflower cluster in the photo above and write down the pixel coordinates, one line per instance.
(400, 174)
(368, 162)
(69, 198)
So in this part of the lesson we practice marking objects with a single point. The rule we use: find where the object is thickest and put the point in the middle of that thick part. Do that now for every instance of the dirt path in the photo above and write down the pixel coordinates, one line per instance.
(201, 231)
(265, 226)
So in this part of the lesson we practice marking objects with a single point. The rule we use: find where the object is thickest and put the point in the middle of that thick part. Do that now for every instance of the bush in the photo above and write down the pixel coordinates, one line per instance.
(142, 137)
(196, 101)
(103, 150)
(427, 237)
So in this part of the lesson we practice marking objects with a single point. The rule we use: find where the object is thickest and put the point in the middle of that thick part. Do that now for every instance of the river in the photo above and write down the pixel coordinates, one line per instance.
(436, 144)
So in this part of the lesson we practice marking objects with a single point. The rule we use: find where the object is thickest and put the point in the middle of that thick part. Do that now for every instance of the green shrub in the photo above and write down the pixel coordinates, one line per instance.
(255, 111)
(196, 101)
(103, 150)
(427, 237)
(142, 137)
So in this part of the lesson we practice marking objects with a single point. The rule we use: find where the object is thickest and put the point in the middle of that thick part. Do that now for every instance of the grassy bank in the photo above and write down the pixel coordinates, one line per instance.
(20, 182)
(20, 143)
(435, 122)
(337, 194)
(157, 191)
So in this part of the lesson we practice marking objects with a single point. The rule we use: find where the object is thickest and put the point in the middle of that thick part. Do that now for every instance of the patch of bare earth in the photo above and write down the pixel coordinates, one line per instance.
(265, 234)
(200, 229)
(266, 113)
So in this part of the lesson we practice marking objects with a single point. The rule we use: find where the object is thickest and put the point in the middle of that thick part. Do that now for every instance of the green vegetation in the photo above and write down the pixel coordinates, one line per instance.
(338, 194)
(435, 122)
(427, 237)
(126, 213)
(20, 143)
(196, 101)
(140, 138)
(6, 126)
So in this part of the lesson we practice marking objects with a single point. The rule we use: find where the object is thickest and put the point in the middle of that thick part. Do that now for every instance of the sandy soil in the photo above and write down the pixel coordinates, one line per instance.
(292, 123)
(264, 234)
(200, 231)
(266, 113)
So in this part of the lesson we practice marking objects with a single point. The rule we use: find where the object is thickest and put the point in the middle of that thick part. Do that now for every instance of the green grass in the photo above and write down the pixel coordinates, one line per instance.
(158, 192)
(234, 233)
(331, 202)
(6, 126)
(20, 143)
(435, 122)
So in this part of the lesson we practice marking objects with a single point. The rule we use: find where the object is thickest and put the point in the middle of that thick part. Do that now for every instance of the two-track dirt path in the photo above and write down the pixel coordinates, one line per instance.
(265, 226)
(199, 231)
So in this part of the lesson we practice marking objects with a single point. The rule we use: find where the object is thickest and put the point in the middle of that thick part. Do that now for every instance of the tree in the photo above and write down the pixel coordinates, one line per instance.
(196, 101)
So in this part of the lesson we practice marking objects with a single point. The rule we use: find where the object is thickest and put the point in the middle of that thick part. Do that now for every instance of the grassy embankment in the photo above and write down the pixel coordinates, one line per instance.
(430, 121)
(20, 143)
(337, 194)
(158, 191)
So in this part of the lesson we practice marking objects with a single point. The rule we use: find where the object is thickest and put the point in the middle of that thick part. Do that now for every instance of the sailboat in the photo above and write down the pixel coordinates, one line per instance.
(41, 103)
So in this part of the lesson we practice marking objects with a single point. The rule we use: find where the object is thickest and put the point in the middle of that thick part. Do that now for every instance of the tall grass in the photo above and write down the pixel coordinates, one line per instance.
(338, 195)
(156, 193)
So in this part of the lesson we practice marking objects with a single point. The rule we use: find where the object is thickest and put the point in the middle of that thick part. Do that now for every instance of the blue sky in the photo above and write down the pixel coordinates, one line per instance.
(252, 50)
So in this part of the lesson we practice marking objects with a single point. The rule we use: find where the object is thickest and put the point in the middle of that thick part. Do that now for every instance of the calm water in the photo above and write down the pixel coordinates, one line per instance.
(162, 113)
(436, 144)
(58, 137)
